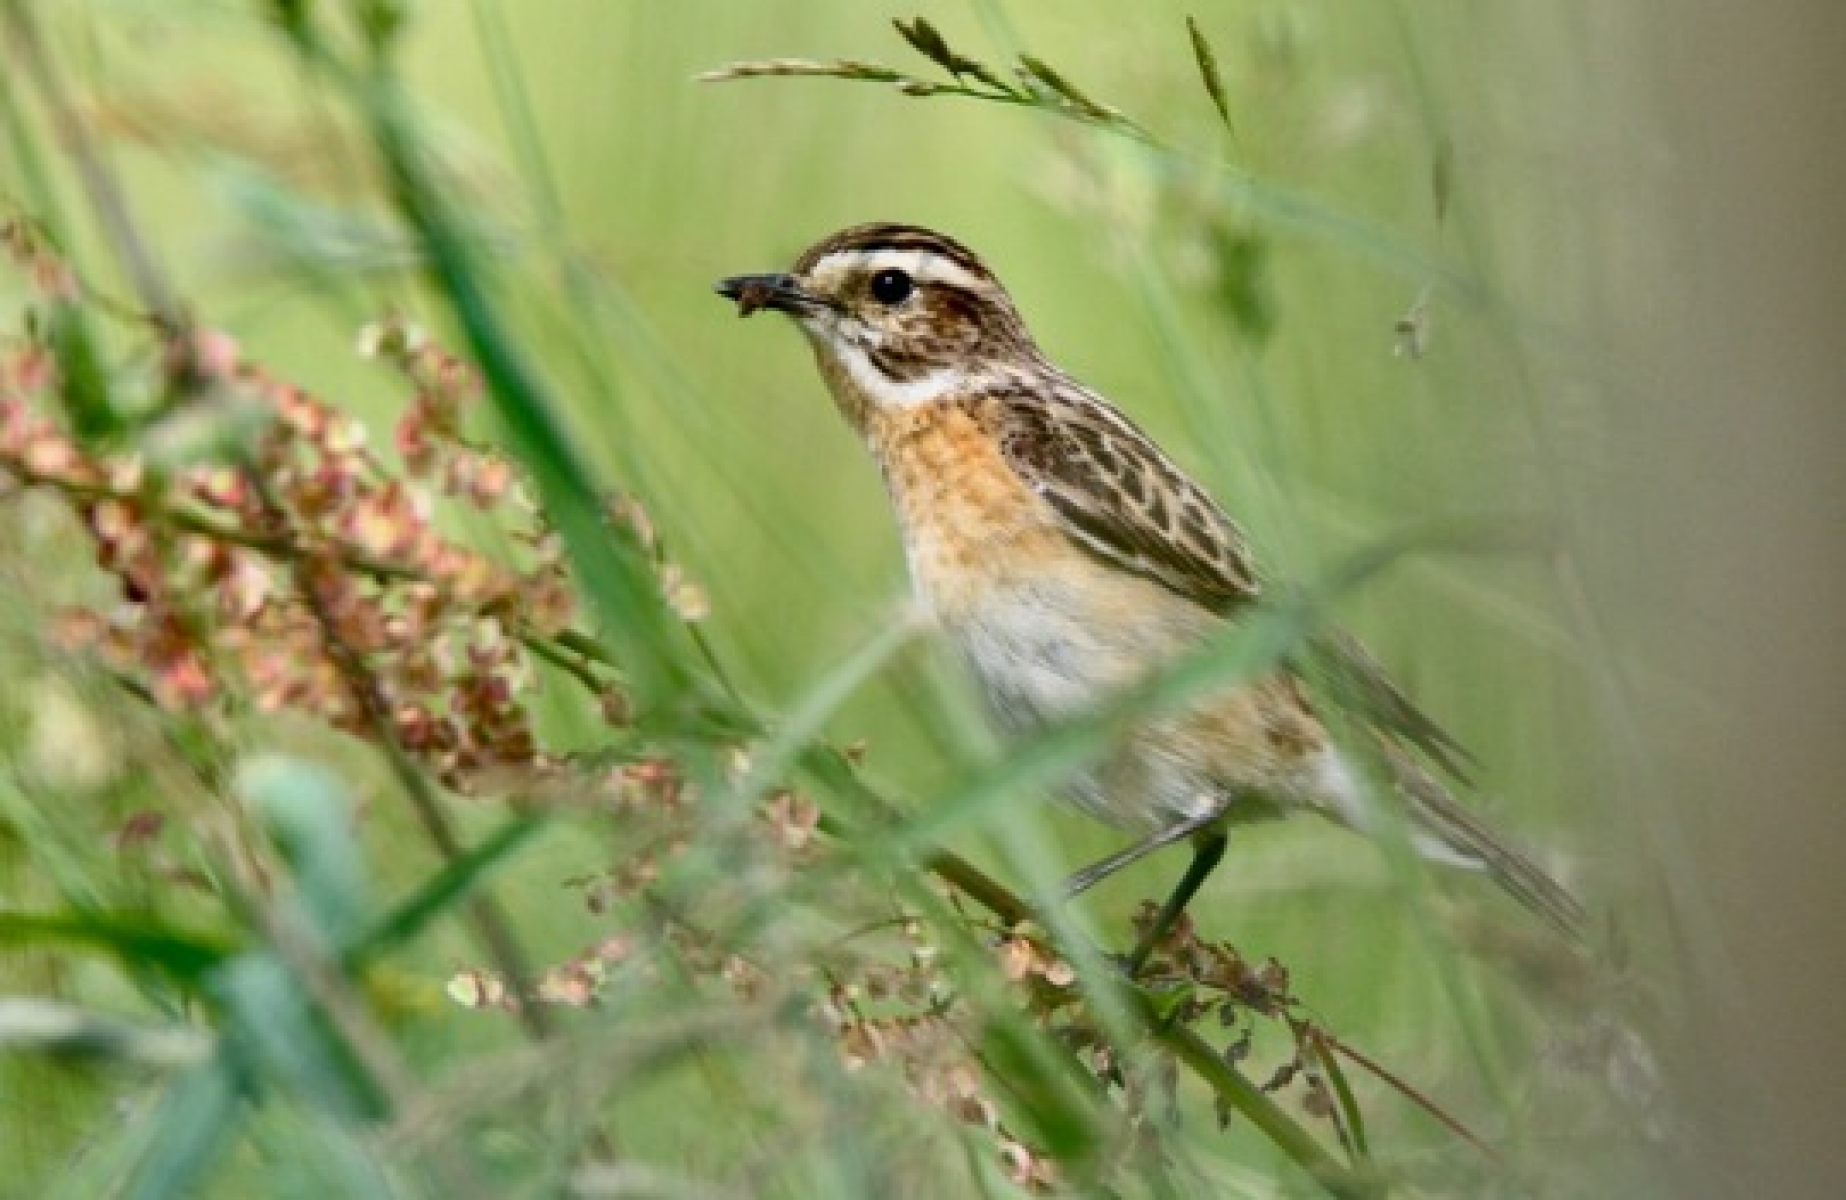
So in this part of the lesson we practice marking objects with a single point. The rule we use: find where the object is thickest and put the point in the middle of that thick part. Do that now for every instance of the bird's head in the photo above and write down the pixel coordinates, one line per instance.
(898, 316)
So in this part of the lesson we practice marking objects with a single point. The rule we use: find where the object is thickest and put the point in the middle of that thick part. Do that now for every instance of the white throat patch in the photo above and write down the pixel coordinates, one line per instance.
(881, 389)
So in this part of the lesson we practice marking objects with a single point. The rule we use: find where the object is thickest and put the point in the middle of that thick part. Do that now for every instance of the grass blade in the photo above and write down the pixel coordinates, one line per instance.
(135, 938)
(443, 890)
(198, 1119)
(1208, 72)
(803, 724)
(1249, 1101)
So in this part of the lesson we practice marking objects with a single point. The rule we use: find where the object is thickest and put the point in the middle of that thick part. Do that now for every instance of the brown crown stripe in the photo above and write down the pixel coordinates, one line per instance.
(886, 236)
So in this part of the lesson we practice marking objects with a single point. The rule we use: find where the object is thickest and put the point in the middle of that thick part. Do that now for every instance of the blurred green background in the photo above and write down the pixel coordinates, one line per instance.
(1470, 170)
(1305, 419)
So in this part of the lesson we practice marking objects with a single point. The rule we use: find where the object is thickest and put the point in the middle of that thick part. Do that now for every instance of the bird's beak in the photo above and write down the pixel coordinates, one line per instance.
(783, 293)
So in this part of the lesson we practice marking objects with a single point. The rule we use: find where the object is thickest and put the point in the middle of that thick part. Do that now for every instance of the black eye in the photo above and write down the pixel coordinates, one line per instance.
(892, 287)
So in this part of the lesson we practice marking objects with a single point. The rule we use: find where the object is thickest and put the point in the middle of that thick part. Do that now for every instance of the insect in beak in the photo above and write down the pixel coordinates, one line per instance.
(781, 292)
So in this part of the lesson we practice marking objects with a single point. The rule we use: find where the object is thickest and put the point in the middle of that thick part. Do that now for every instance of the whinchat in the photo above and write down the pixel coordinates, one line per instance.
(1068, 558)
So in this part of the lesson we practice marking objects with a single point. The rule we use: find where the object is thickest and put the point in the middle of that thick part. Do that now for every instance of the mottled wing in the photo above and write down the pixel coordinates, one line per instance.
(1122, 499)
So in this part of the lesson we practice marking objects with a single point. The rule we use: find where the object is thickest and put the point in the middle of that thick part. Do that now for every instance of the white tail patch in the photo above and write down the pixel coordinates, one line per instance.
(1336, 787)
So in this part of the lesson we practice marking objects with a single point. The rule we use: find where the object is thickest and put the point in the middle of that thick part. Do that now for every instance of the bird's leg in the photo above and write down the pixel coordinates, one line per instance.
(1207, 849)
(1095, 873)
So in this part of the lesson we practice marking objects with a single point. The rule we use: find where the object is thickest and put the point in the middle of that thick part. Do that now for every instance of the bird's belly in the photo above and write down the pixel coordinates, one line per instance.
(1046, 650)
(1043, 651)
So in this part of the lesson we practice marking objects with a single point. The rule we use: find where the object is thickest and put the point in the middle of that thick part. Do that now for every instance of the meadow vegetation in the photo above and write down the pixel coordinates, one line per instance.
(465, 735)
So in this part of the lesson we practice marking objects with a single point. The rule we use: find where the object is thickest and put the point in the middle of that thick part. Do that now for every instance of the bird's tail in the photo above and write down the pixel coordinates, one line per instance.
(1445, 831)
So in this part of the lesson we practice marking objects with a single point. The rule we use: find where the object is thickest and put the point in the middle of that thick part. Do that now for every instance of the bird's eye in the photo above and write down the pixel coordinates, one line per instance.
(892, 287)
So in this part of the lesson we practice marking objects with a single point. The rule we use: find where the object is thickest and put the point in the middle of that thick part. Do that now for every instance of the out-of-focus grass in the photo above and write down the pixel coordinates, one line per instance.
(1382, 157)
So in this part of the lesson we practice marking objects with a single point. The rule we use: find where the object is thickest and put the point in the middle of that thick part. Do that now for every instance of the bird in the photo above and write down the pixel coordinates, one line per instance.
(1068, 558)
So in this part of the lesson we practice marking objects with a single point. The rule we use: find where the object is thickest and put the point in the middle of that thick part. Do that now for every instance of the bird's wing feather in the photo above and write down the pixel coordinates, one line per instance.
(1343, 671)
(1121, 499)
(1436, 815)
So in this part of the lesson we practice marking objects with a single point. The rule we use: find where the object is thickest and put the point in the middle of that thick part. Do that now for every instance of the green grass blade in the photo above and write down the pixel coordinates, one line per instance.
(804, 722)
(138, 939)
(443, 890)
(1282, 1130)
(289, 1041)
(1350, 1113)
(198, 1120)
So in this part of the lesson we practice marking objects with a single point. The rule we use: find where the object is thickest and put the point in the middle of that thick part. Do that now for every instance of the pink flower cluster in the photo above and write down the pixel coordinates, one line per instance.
(254, 549)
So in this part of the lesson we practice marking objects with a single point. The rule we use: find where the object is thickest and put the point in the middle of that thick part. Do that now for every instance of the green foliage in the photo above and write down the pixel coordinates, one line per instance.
(477, 814)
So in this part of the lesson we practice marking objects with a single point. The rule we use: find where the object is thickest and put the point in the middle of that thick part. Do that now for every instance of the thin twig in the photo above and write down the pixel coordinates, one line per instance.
(1409, 1093)
(573, 664)
(979, 886)
(186, 519)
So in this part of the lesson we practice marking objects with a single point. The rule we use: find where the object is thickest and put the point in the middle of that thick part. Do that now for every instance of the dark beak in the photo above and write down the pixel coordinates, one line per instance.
(783, 293)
